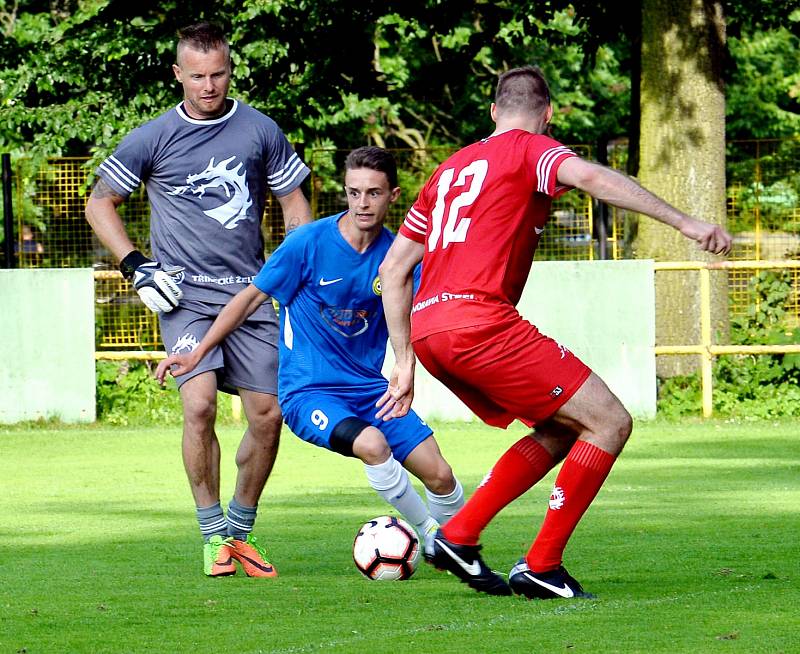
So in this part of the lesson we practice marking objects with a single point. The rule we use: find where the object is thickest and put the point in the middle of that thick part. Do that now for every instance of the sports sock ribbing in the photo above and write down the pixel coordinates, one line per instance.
(211, 521)
(522, 465)
(577, 484)
(444, 507)
(240, 519)
(391, 482)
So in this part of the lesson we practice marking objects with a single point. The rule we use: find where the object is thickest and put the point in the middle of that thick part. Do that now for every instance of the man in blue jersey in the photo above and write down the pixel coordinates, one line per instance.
(333, 343)
(207, 165)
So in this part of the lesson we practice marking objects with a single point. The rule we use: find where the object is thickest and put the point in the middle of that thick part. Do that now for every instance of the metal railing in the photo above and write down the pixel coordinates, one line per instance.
(707, 349)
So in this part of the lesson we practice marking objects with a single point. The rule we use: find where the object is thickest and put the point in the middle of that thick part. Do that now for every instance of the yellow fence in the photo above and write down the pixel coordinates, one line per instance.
(707, 349)
(763, 213)
(763, 208)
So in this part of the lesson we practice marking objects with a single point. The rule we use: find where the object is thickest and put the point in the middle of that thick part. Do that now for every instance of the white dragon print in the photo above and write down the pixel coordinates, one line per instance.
(232, 182)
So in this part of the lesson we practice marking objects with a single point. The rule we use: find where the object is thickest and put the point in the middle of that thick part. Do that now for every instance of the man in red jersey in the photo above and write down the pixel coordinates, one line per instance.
(475, 226)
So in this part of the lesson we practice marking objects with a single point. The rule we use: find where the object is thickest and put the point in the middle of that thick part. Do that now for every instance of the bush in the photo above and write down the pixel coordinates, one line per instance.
(128, 394)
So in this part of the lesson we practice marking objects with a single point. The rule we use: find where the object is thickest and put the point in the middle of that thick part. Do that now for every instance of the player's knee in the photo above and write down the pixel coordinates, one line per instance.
(199, 411)
(371, 447)
(620, 426)
(355, 437)
(265, 421)
(441, 480)
(625, 428)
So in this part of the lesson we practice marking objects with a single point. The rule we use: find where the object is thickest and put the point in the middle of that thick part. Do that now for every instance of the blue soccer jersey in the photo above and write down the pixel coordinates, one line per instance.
(333, 333)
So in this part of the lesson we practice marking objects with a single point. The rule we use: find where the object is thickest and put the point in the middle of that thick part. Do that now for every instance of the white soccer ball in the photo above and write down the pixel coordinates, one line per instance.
(386, 549)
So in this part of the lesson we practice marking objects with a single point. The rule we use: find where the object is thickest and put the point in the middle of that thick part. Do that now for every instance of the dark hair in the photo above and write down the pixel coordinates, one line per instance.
(374, 158)
(203, 37)
(522, 90)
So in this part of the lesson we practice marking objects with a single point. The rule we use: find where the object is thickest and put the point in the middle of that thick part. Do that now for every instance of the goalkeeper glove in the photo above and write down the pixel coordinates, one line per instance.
(154, 284)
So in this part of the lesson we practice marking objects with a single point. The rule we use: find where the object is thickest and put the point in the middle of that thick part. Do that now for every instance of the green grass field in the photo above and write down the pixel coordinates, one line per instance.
(692, 546)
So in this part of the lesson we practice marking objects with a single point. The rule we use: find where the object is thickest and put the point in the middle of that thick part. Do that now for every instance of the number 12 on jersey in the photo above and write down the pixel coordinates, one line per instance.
(454, 230)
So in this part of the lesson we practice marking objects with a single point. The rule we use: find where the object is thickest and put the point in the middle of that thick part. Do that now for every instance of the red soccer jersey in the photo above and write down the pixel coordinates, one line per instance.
(480, 217)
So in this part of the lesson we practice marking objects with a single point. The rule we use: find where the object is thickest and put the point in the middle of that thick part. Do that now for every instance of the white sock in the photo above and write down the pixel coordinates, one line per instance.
(444, 507)
(391, 482)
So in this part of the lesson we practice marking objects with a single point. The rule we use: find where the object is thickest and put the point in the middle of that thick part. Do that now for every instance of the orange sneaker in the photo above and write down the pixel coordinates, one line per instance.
(217, 559)
(252, 557)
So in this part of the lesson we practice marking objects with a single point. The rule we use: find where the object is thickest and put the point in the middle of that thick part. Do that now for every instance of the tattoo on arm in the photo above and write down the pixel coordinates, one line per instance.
(292, 223)
(102, 190)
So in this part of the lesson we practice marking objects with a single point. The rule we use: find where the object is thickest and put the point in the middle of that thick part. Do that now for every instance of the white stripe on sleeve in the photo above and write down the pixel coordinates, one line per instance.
(544, 166)
(287, 175)
(116, 176)
(279, 174)
(415, 221)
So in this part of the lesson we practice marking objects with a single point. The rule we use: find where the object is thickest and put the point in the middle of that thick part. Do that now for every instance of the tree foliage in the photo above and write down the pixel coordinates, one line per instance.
(78, 75)
(75, 75)
(764, 89)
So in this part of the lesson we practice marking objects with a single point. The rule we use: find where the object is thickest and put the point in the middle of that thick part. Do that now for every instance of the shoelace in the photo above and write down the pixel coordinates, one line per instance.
(251, 540)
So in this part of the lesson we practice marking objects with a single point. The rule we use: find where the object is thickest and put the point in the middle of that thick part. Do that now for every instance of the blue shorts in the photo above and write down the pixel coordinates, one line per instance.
(314, 415)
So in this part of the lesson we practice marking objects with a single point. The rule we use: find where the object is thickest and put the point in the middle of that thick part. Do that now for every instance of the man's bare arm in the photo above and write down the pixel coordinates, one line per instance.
(397, 284)
(621, 191)
(296, 210)
(103, 217)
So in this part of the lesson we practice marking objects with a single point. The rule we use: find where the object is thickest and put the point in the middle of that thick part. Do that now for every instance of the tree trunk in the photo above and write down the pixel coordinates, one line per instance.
(682, 159)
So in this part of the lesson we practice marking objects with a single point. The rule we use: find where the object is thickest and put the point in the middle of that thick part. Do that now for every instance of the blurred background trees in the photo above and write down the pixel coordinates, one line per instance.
(76, 75)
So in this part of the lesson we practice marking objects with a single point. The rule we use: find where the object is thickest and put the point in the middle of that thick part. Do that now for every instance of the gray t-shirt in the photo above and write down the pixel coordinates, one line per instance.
(207, 182)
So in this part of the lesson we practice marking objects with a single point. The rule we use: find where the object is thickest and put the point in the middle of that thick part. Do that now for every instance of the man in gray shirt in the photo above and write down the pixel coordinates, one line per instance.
(207, 165)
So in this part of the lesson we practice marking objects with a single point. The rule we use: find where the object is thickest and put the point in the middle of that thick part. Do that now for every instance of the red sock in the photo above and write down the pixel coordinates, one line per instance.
(580, 478)
(523, 464)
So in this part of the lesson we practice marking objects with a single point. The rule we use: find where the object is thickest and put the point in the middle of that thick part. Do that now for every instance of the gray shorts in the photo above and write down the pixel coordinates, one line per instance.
(247, 358)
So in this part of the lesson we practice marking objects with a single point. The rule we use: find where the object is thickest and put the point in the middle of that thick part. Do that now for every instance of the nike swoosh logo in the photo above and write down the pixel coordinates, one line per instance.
(538, 230)
(564, 591)
(325, 282)
(265, 568)
(473, 569)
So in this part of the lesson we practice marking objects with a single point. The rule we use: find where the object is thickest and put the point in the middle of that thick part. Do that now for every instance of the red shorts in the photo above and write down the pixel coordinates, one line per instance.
(504, 371)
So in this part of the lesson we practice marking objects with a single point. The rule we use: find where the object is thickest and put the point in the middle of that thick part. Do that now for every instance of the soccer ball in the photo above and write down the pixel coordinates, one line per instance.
(386, 549)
